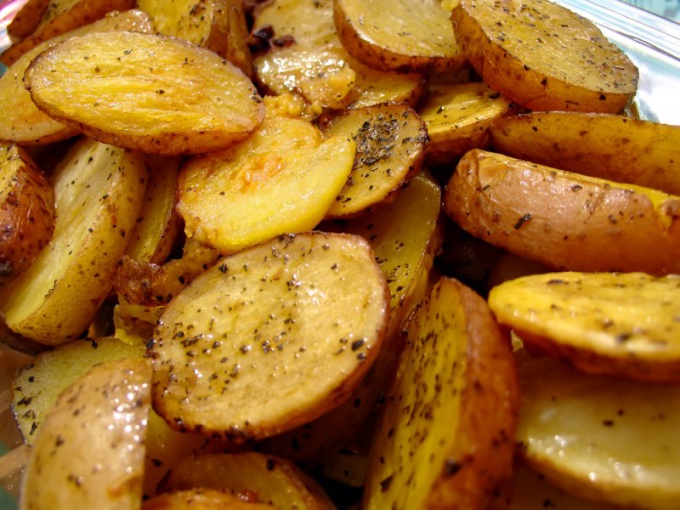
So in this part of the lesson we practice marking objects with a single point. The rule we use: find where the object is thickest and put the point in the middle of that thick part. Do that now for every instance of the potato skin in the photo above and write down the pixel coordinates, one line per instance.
(26, 211)
(564, 220)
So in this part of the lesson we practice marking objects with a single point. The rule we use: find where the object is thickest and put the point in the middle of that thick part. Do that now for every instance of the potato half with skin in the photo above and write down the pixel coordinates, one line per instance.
(146, 92)
(601, 438)
(98, 192)
(543, 56)
(607, 146)
(398, 35)
(270, 337)
(26, 211)
(446, 435)
(621, 324)
(90, 450)
(202, 499)
(564, 220)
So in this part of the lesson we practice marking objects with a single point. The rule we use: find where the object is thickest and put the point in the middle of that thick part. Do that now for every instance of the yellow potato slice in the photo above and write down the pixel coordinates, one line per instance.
(98, 192)
(270, 337)
(202, 499)
(543, 56)
(146, 92)
(446, 436)
(90, 449)
(26, 211)
(22, 121)
(37, 386)
(600, 438)
(622, 324)
(398, 35)
(564, 220)
(607, 146)
(281, 180)
(390, 140)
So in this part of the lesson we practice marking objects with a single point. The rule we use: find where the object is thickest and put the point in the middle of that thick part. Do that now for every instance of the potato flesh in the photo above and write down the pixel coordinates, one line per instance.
(573, 428)
(270, 338)
(146, 92)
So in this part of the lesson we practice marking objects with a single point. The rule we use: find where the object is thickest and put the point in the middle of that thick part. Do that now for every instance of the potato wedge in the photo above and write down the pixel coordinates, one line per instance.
(26, 211)
(564, 220)
(281, 180)
(22, 121)
(446, 435)
(398, 35)
(513, 46)
(202, 499)
(37, 386)
(98, 191)
(610, 147)
(600, 438)
(391, 140)
(27, 18)
(62, 16)
(275, 335)
(90, 450)
(621, 324)
(185, 99)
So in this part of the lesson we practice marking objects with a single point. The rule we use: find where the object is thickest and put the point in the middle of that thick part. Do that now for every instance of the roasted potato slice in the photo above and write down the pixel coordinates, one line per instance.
(281, 180)
(202, 499)
(90, 449)
(98, 192)
(62, 16)
(446, 435)
(390, 140)
(398, 35)
(598, 437)
(26, 211)
(146, 92)
(564, 220)
(279, 315)
(22, 121)
(37, 386)
(26, 20)
(623, 324)
(610, 147)
(543, 56)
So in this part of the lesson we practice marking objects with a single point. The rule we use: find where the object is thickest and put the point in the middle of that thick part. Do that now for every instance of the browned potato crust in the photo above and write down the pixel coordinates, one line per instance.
(513, 45)
(564, 220)
(27, 19)
(202, 499)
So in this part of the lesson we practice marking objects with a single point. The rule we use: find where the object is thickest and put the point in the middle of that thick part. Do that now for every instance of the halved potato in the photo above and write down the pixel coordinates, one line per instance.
(26, 211)
(446, 435)
(543, 56)
(398, 35)
(270, 337)
(623, 324)
(202, 499)
(98, 191)
(600, 438)
(146, 92)
(90, 449)
(564, 220)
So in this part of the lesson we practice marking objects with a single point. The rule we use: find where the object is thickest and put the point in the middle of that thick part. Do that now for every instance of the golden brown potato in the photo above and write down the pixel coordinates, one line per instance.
(276, 333)
(610, 147)
(146, 92)
(202, 499)
(564, 220)
(27, 18)
(398, 35)
(446, 435)
(26, 211)
(543, 56)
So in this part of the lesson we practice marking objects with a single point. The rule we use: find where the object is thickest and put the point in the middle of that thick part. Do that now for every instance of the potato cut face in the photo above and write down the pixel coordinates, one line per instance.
(146, 92)
(606, 439)
(398, 35)
(37, 386)
(98, 194)
(270, 337)
(512, 46)
(390, 142)
(90, 450)
(281, 180)
(446, 435)
(623, 324)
